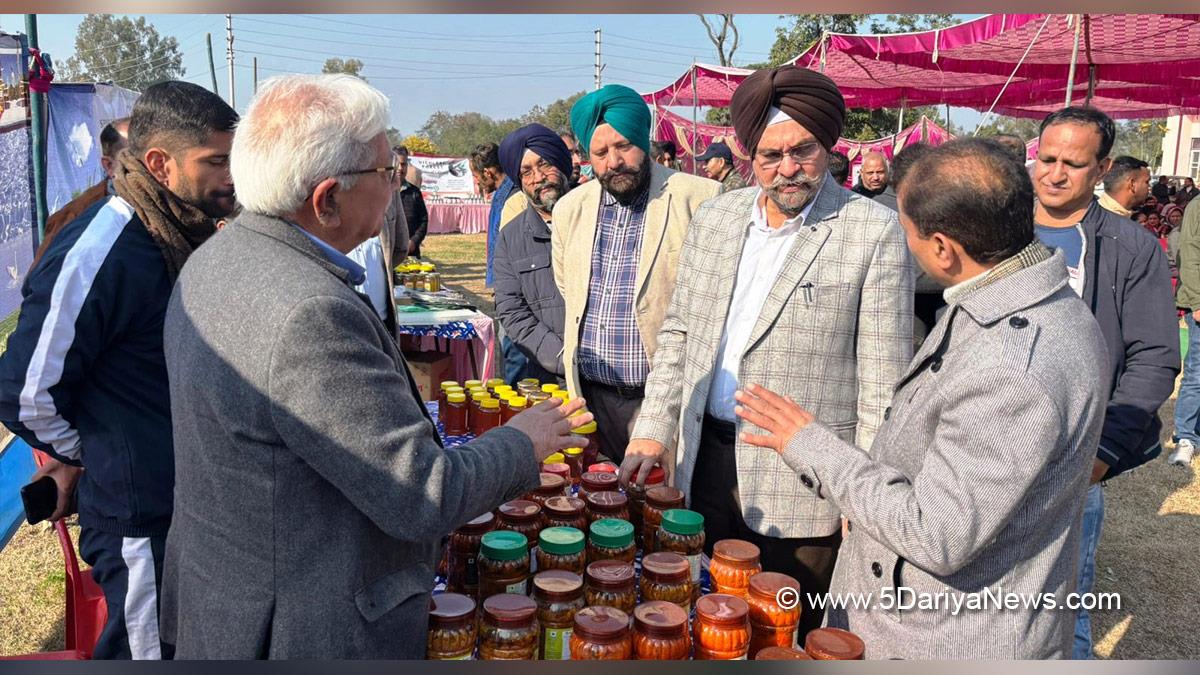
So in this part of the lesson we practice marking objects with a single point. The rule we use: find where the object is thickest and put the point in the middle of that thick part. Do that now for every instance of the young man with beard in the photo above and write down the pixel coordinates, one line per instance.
(84, 377)
(615, 245)
(528, 303)
(800, 285)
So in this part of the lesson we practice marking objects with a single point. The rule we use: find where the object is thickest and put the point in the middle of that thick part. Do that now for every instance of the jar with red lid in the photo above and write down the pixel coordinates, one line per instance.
(503, 563)
(770, 624)
(667, 576)
(452, 630)
(595, 481)
(489, 415)
(559, 596)
(601, 634)
(682, 532)
(603, 467)
(722, 628)
(660, 632)
(454, 415)
(781, 654)
(508, 628)
(513, 406)
(561, 548)
(601, 505)
(562, 511)
(610, 583)
(611, 539)
(590, 433)
(637, 499)
(561, 470)
(462, 575)
(658, 499)
(833, 644)
(551, 486)
(733, 563)
(521, 515)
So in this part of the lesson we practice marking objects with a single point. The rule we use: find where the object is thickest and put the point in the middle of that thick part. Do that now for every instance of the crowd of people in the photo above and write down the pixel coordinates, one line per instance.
(922, 382)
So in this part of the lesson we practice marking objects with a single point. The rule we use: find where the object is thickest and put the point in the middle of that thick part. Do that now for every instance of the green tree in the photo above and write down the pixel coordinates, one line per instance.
(556, 116)
(456, 134)
(127, 52)
(1142, 139)
(348, 66)
(1025, 128)
(909, 23)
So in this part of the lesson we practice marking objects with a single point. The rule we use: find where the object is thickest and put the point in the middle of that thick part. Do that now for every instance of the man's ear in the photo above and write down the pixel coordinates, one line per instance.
(157, 162)
(325, 200)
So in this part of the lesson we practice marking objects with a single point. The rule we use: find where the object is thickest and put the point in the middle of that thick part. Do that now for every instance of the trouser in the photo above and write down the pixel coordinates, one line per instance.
(714, 494)
(616, 410)
(129, 572)
(1089, 539)
(1187, 407)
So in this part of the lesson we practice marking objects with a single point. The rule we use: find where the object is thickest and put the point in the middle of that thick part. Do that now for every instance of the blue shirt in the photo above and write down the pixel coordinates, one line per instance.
(500, 196)
(610, 347)
(1066, 239)
(358, 275)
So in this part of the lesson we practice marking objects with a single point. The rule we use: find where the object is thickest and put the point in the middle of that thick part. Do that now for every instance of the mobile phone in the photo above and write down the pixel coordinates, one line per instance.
(40, 499)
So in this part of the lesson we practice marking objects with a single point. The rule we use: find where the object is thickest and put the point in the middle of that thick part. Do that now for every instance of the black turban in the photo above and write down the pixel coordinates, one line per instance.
(809, 97)
(542, 141)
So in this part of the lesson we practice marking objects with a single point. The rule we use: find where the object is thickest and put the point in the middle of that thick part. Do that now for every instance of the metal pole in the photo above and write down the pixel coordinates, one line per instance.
(695, 113)
(1074, 60)
(597, 70)
(1178, 142)
(900, 122)
(229, 58)
(256, 75)
(212, 68)
(37, 109)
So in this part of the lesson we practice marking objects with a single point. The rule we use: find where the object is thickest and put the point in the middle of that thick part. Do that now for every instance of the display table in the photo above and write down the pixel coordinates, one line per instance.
(469, 337)
(450, 217)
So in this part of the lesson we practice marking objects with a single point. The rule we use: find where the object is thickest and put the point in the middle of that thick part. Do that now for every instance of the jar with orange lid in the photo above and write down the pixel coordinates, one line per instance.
(454, 415)
(781, 654)
(551, 486)
(611, 539)
(833, 644)
(513, 406)
(592, 450)
(462, 575)
(667, 576)
(733, 563)
(722, 628)
(559, 596)
(563, 511)
(573, 457)
(489, 415)
(771, 625)
(601, 505)
(596, 481)
(561, 548)
(610, 583)
(503, 563)
(508, 628)
(601, 634)
(521, 515)
(561, 470)
(637, 499)
(658, 500)
(682, 532)
(452, 631)
(660, 632)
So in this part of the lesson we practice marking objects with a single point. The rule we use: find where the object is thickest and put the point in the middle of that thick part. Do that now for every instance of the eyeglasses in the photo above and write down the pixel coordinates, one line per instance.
(389, 172)
(801, 154)
(543, 167)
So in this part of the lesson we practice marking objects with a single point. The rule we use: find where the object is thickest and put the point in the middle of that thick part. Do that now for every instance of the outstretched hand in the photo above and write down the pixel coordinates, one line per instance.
(781, 417)
(549, 425)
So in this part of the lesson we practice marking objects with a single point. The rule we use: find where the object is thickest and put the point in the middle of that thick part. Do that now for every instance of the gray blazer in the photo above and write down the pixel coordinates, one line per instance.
(311, 488)
(834, 334)
(977, 479)
(527, 300)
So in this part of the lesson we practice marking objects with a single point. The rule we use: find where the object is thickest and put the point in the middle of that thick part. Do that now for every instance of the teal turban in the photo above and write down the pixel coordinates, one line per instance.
(615, 105)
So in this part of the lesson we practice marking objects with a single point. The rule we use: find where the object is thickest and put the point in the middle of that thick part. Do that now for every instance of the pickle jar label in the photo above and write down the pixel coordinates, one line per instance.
(517, 588)
(694, 564)
(472, 573)
(557, 644)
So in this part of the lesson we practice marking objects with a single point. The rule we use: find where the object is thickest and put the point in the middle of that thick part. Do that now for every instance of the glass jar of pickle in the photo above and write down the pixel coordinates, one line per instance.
(658, 500)
(660, 632)
(503, 563)
(515, 405)
(451, 628)
(833, 644)
(589, 433)
(563, 511)
(722, 628)
(770, 624)
(601, 634)
(561, 548)
(610, 583)
(521, 515)
(454, 415)
(462, 553)
(637, 499)
(667, 576)
(611, 539)
(733, 563)
(596, 481)
(508, 628)
(561, 470)
(601, 505)
(682, 532)
(781, 654)
(551, 486)
(559, 595)
(433, 282)
(604, 467)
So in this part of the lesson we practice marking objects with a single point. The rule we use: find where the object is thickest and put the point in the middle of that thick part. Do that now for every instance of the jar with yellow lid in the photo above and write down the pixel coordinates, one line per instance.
(469, 384)
(489, 415)
(573, 457)
(512, 407)
(455, 416)
(591, 451)
(493, 383)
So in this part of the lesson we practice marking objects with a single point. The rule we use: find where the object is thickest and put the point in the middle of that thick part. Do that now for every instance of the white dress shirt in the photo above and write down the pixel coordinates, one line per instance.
(369, 254)
(763, 255)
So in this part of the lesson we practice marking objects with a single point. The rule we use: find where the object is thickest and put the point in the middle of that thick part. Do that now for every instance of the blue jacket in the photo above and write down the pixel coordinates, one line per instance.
(84, 377)
(506, 190)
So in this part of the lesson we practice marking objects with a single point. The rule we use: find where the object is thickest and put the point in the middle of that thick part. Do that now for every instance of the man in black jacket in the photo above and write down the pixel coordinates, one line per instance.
(1121, 272)
(84, 377)
(414, 205)
(530, 308)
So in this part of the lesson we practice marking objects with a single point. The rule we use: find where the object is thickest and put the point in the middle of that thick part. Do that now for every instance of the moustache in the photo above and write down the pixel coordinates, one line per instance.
(781, 182)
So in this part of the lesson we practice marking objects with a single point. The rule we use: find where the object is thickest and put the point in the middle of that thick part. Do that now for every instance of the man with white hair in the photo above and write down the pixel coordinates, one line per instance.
(873, 180)
(312, 490)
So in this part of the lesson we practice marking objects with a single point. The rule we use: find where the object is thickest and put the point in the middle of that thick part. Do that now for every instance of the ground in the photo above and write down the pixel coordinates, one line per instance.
(1148, 552)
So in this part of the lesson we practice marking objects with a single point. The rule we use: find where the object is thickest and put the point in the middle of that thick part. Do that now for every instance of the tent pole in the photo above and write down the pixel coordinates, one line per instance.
(1178, 142)
(695, 112)
(1074, 59)
(900, 122)
(37, 119)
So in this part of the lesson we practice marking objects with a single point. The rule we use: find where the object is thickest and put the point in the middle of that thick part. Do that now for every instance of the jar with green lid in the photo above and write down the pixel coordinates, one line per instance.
(590, 433)
(610, 583)
(559, 595)
(667, 576)
(682, 532)
(611, 539)
(561, 548)
(503, 563)
(452, 630)
(508, 628)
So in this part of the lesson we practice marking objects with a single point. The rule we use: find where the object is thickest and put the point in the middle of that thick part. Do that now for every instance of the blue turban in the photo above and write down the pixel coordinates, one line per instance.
(615, 105)
(547, 144)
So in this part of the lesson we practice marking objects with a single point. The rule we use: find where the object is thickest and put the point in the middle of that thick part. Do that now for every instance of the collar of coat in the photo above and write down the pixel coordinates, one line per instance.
(1019, 282)
(291, 236)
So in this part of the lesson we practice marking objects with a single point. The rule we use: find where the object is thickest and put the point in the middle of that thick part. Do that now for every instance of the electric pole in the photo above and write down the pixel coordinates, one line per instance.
(229, 57)
(598, 66)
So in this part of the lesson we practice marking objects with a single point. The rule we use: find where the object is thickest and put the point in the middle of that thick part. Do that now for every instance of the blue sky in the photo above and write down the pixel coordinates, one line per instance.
(500, 65)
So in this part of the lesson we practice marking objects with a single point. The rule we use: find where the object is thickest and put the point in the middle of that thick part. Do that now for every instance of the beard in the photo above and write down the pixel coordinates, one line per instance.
(214, 204)
(546, 194)
(626, 184)
(792, 204)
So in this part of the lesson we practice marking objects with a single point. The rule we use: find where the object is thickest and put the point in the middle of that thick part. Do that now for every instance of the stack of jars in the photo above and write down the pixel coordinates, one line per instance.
(419, 276)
